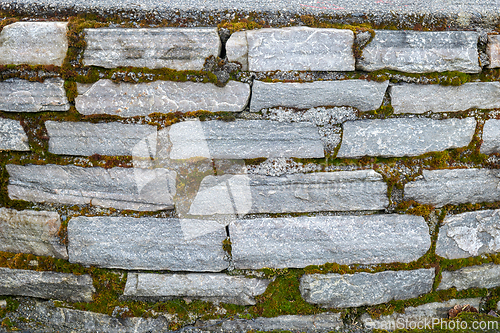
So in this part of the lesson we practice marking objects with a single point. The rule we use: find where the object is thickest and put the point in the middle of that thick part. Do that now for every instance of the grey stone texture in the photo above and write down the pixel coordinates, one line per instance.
(484, 276)
(491, 137)
(48, 285)
(421, 51)
(237, 49)
(120, 188)
(205, 286)
(404, 136)
(147, 243)
(12, 136)
(302, 241)
(420, 98)
(30, 231)
(469, 234)
(112, 139)
(361, 94)
(18, 95)
(176, 48)
(33, 43)
(360, 289)
(141, 99)
(493, 50)
(454, 186)
(244, 139)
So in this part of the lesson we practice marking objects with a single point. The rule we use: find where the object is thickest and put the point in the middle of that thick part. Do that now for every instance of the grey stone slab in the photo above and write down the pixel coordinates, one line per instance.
(205, 286)
(12, 136)
(33, 43)
(30, 231)
(312, 192)
(359, 289)
(244, 139)
(421, 51)
(493, 50)
(302, 241)
(147, 243)
(491, 137)
(237, 49)
(176, 48)
(469, 234)
(414, 136)
(18, 95)
(130, 99)
(484, 276)
(361, 94)
(49, 285)
(454, 186)
(420, 98)
(113, 139)
(120, 188)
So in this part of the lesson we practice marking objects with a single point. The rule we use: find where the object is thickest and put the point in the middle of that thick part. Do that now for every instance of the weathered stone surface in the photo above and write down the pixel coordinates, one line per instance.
(421, 52)
(129, 99)
(50, 285)
(484, 276)
(359, 289)
(312, 192)
(147, 243)
(208, 287)
(454, 186)
(33, 43)
(17, 95)
(243, 139)
(120, 188)
(469, 234)
(12, 136)
(420, 98)
(176, 48)
(303, 241)
(491, 137)
(361, 94)
(113, 139)
(493, 50)
(237, 49)
(414, 136)
(30, 231)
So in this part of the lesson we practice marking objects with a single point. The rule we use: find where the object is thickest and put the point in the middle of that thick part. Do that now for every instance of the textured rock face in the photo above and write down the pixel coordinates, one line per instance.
(454, 186)
(209, 287)
(353, 290)
(33, 43)
(113, 139)
(176, 48)
(237, 49)
(469, 234)
(491, 137)
(421, 52)
(414, 136)
(30, 231)
(120, 188)
(244, 139)
(147, 243)
(12, 136)
(361, 94)
(484, 276)
(141, 99)
(493, 50)
(303, 241)
(420, 98)
(49, 285)
(17, 95)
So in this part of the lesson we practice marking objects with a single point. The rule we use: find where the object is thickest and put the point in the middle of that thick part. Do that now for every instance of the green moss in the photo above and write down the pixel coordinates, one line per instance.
(227, 246)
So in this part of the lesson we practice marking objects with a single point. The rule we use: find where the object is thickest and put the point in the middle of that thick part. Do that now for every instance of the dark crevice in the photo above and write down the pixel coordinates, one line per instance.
(227, 231)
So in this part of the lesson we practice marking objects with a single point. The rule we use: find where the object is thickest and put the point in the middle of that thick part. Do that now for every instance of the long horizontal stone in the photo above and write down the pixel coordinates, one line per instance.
(49, 285)
(302, 241)
(141, 99)
(147, 243)
(120, 188)
(244, 139)
(404, 136)
(454, 186)
(12, 136)
(361, 94)
(312, 192)
(420, 98)
(469, 234)
(421, 52)
(30, 231)
(33, 43)
(176, 48)
(493, 50)
(209, 287)
(359, 289)
(491, 137)
(18, 95)
(484, 276)
(113, 139)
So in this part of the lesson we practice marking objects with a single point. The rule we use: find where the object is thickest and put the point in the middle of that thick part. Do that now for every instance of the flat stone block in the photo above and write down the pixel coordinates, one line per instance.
(12, 136)
(484, 276)
(491, 137)
(493, 50)
(237, 49)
